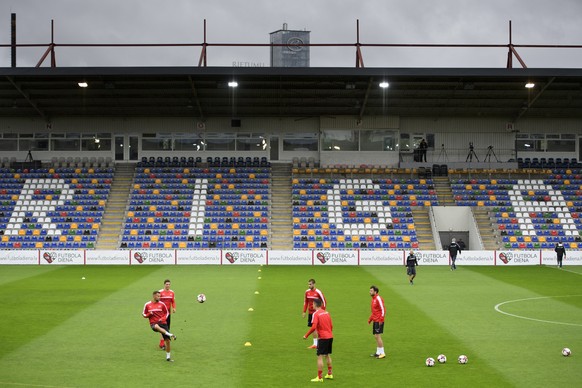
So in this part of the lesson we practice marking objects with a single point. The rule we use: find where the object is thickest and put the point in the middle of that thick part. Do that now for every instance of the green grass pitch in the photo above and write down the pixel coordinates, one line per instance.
(62, 331)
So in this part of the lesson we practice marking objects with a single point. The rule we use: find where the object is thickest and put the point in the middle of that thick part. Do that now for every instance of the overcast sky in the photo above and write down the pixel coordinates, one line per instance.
(330, 21)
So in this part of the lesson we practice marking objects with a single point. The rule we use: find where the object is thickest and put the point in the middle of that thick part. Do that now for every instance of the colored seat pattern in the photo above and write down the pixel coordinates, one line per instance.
(198, 208)
(357, 213)
(56, 208)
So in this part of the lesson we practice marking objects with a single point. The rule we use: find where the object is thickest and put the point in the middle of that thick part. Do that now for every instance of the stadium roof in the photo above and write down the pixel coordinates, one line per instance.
(203, 92)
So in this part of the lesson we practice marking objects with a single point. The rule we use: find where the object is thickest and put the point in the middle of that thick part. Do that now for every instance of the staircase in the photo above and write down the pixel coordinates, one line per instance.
(281, 214)
(423, 229)
(115, 209)
(486, 229)
(442, 186)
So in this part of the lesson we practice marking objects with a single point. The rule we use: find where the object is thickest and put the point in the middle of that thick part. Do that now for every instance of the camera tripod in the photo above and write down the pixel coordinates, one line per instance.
(29, 157)
(470, 155)
(443, 154)
(488, 155)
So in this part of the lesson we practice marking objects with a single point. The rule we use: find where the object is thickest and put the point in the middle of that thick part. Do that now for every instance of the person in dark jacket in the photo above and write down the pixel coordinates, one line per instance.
(411, 264)
(560, 250)
(454, 250)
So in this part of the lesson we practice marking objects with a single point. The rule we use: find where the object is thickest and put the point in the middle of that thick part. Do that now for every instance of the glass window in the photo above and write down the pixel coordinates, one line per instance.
(339, 140)
(96, 144)
(8, 144)
(156, 144)
(561, 145)
(33, 145)
(250, 142)
(404, 142)
(220, 141)
(189, 144)
(65, 144)
(570, 136)
(529, 145)
(300, 142)
(378, 140)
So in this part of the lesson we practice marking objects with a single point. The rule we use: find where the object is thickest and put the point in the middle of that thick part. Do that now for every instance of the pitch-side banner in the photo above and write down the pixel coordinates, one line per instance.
(243, 257)
(476, 258)
(382, 257)
(107, 257)
(335, 257)
(433, 257)
(198, 257)
(152, 257)
(24, 257)
(70, 257)
(571, 258)
(289, 257)
(517, 258)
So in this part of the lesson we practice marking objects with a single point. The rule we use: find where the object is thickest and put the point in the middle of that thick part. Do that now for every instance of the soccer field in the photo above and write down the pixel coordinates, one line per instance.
(62, 331)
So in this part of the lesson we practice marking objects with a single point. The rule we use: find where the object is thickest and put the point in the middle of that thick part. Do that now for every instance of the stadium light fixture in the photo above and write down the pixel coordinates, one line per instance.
(83, 84)
(232, 84)
(530, 85)
(383, 84)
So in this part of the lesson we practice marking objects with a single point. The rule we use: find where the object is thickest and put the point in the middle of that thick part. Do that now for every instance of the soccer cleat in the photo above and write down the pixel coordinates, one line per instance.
(317, 380)
(169, 360)
(381, 356)
(173, 337)
(312, 347)
(328, 376)
(374, 355)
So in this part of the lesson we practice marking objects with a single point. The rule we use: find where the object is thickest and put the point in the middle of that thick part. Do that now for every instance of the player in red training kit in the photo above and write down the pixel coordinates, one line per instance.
(322, 323)
(378, 314)
(168, 298)
(157, 312)
(311, 294)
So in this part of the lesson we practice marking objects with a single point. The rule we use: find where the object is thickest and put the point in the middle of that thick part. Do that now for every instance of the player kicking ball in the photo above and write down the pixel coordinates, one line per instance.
(157, 313)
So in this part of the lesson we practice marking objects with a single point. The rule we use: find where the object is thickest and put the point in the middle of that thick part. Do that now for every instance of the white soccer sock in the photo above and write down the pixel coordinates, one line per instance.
(167, 355)
(168, 334)
(380, 350)
(315, 341)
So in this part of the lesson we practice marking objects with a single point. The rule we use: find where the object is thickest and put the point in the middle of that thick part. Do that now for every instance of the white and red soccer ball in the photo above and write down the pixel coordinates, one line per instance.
(442, 358)
(463, 359)
(429, 362)
(201, 298)
(566, 352)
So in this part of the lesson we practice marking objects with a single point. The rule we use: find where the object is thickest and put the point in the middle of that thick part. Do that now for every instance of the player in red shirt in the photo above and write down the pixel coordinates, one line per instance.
(312, 294)
(321, 323)
(377, 316)
(157, 313)
(168, 298)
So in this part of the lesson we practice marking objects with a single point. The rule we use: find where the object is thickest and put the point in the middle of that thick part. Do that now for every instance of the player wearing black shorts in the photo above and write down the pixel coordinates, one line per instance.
(322, 323)
(411, 263)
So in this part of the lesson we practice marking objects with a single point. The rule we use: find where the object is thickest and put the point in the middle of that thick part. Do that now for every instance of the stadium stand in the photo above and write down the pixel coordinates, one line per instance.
(222, 206)
(528, 213)
(53, 208)
(357, 212)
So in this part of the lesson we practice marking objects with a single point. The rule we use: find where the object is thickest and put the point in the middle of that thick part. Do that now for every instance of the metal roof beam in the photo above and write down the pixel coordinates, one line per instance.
(363, 107)
(28, 99)
(196, 99)
(531, 102)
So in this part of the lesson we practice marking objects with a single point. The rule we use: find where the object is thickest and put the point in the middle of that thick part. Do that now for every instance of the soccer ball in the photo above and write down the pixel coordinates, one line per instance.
(442, 358)
(429, 362)
(463, 359)
(566, 352)
(201, 298)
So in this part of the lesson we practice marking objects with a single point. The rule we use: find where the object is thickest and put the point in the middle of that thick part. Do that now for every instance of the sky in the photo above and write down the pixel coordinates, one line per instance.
(539, 22)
